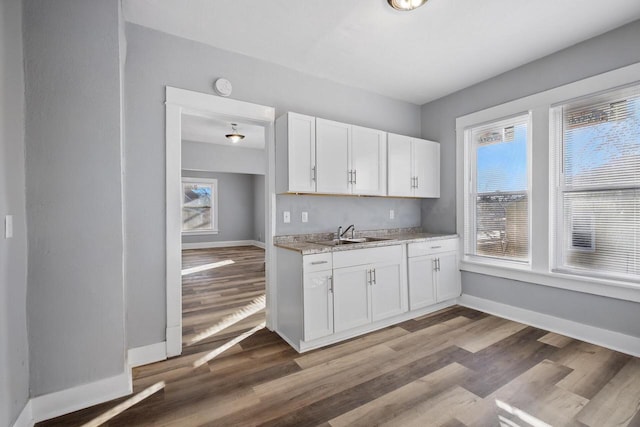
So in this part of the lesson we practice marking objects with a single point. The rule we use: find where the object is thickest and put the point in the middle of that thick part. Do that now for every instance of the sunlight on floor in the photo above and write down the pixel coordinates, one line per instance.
(205, 267)
(212, 354)
(253, 307)
(527, 418)
(118, 409)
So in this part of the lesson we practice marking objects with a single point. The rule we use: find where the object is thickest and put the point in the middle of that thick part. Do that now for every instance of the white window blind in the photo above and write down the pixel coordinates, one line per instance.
(497, 200)
(597, 198)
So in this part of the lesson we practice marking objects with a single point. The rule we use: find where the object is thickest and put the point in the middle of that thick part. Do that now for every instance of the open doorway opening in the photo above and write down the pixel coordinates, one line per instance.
(220, 202)
(223, 228)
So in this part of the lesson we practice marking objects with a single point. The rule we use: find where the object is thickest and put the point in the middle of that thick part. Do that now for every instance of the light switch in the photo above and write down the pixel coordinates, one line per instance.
(392, 214)
(305, 216)
(286, 217)
(8, 226)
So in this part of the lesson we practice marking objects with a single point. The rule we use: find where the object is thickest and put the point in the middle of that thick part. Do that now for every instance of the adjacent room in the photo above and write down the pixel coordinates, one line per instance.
(320, 213)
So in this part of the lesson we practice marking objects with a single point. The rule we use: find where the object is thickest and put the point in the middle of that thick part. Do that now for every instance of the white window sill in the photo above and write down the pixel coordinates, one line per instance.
(199, 233)
(608, 288)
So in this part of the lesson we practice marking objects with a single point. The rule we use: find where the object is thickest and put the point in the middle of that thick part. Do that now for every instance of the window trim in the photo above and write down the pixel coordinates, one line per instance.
(214, 208)
(543, 250)
(470, 169)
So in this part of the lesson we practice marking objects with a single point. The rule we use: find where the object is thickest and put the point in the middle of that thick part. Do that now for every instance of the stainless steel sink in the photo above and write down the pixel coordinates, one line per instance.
(336, 242)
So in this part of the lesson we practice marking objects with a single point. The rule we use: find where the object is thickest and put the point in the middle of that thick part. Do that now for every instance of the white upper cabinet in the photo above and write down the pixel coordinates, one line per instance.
(350, 159)
(333, 146)
(414, 167)
(368, 161)
(296, 153)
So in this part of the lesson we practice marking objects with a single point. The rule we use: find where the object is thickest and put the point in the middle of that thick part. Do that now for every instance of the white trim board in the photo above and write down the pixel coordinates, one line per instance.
(591, 334)
(25, 419)
(72, 399)
(227, 244)
(147, 354)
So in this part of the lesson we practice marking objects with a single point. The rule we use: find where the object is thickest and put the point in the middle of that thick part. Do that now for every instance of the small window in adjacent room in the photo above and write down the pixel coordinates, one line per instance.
(199, 206)
(497, 190)
(596, 205)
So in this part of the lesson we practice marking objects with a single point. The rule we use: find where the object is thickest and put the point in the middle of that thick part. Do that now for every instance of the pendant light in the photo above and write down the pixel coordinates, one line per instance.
(406, 4)
(234, 136)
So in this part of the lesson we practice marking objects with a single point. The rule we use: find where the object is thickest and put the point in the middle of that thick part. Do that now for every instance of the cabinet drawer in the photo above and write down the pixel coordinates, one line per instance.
(317, 262)
(432, 246)
(366, 256)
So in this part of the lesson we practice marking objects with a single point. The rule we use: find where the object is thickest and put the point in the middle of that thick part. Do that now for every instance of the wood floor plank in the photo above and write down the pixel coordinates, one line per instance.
(555, 340)
(619, 400)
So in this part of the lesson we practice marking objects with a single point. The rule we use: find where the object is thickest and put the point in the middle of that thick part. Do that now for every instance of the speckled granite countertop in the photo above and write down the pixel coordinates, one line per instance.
(304, 243)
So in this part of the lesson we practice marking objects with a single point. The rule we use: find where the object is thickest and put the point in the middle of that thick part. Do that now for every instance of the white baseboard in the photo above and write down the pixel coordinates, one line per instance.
(174, 341)
(259, 244)
(72, 399)
(591, 334)
(147, 354)
(25, 419)
(227, 244)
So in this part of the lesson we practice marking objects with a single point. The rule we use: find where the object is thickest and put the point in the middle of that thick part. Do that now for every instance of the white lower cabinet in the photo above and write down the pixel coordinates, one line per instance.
(433, 272)
(318, 304)
(327, 297)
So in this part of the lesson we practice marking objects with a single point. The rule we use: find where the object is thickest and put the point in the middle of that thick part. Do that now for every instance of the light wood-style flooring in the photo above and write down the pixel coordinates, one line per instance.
(457, 367)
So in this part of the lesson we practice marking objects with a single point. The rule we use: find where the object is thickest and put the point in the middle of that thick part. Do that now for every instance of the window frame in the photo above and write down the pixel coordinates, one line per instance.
(542, 183)
(469, 245)
(214, 208)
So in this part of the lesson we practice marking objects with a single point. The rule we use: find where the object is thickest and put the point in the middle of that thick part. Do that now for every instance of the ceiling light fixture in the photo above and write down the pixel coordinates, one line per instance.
(406, 4)
(234, 136)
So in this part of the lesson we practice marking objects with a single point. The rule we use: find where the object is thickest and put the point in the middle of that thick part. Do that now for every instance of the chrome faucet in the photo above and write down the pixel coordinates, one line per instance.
(342, 233)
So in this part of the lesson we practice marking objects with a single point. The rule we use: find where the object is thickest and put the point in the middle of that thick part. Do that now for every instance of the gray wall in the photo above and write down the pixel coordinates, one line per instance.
(235, 207)
(14, 360)
(259, 208)
(74, 192)
(326, 213)
(600, 54)
(213, 157)
(154, 60)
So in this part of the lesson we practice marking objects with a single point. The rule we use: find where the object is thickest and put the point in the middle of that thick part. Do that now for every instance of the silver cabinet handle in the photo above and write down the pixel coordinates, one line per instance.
(350, 179)
(369, 277)
(313, 173)
(435, 264)
(319, 262)
(330, 279)
(438, 264)
(436, 247)
(375, 277)
(355, 176)
(417, 182)
(413, 180)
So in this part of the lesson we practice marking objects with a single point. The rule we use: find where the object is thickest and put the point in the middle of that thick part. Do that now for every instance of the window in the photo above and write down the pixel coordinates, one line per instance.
(597, 196)
(199, 205)
(497, 193)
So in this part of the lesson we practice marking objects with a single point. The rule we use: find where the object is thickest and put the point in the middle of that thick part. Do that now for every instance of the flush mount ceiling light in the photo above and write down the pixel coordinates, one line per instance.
(234, 136)
(406, 4)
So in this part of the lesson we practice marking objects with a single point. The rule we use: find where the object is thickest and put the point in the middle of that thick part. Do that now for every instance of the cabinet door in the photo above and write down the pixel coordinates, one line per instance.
(422, 290)
(426, 155)
(369, 161)
(318, 305)
(399, 171)
(302, 152)
(448, 280)
(388, 297)
(351, 297)
(332, 156)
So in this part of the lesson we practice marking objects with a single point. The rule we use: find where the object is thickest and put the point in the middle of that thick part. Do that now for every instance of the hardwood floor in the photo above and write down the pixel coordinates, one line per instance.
(457, 367)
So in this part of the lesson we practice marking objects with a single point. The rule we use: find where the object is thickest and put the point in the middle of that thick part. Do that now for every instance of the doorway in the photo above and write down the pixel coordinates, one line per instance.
(180, 104)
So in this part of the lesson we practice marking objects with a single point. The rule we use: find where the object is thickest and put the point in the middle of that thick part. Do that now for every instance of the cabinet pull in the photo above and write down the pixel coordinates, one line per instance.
(413, 181)
(355, 176)
(330, 279)
(438, 260)
(350, 179)
(417, 182)
(435, 264)
(436, 247)
(369, 277)
(318, 262)
(313, 173)
(375, 278)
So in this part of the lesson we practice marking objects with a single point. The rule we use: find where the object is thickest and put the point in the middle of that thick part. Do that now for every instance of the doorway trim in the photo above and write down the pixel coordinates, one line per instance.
(179, 101)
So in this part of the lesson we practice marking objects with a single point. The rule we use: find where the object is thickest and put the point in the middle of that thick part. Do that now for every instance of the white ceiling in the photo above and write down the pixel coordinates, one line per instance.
(415, 56)
(211, 130)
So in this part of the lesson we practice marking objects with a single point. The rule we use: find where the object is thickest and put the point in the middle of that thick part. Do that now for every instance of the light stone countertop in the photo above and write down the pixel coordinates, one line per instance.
(303, 243)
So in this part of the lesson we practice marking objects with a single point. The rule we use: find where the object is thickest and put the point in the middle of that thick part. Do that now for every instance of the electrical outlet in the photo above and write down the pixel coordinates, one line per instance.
(392, 214)
(286, 217)
(305, 216)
